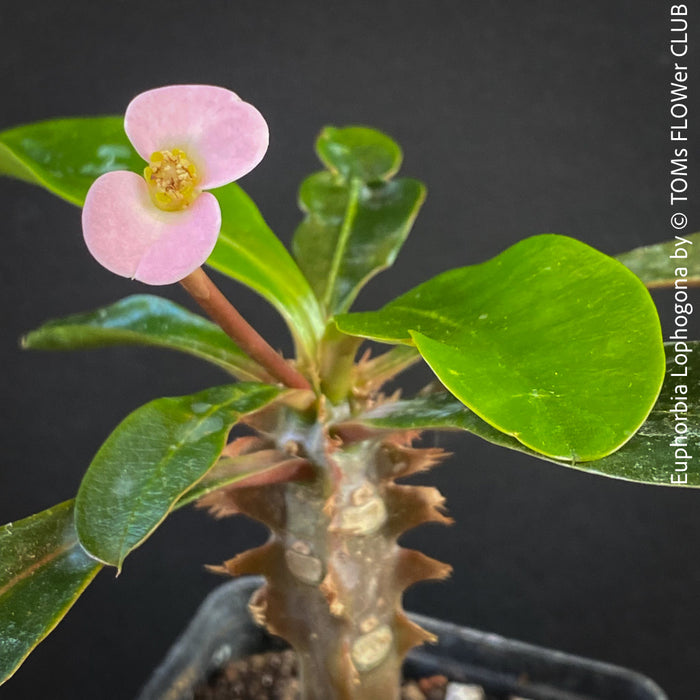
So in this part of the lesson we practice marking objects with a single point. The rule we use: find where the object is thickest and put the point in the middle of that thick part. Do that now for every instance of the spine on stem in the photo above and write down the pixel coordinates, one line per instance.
(335, 573)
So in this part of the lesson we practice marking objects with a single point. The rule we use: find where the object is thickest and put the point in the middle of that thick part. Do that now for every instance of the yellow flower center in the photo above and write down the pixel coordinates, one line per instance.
(172, 180)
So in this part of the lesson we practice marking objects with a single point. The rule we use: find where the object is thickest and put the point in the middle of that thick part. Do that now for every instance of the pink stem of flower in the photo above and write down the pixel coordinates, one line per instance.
(220, 309)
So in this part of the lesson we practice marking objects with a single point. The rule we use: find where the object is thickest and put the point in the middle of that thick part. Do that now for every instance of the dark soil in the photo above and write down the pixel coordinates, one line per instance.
(273, 676)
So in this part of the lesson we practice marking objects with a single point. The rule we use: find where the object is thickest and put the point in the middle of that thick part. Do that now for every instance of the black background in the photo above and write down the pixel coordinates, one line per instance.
(521, 117)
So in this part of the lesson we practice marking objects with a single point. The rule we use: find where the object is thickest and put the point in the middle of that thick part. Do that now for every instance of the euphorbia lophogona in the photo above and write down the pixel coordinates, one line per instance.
(550, 348)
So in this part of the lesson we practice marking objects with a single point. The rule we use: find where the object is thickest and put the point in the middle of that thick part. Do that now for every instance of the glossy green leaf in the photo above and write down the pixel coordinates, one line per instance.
(351, 232)
(153, 457)
(649, 457)
(358, 152)
(551, 342)
(144, 319)
(249, 251)
(66, 155)
(356, 218)
(661, 265)
(43, 570)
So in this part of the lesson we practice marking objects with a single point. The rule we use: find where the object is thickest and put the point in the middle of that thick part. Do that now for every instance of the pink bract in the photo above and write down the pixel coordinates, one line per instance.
(224, 136)
(130, 236)
(124, 229)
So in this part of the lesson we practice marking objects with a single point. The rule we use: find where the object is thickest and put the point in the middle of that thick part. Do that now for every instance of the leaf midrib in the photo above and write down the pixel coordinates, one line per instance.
(343, 240)
(44, 561)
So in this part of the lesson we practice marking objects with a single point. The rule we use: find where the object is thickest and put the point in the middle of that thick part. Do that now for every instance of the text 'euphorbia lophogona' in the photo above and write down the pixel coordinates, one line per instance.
(160, 227)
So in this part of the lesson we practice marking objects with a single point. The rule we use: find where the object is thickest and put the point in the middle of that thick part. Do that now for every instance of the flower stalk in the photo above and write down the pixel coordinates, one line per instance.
(200, 286)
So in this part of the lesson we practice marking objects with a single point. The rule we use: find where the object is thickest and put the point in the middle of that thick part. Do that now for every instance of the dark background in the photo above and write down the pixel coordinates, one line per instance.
(522, 118)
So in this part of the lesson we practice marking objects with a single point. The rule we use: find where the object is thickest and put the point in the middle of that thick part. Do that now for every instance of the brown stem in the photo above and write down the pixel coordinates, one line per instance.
(335, 572)
(220, 309)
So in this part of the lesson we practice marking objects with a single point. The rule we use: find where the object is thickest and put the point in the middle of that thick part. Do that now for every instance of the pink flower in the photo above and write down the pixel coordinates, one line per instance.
(160, 227)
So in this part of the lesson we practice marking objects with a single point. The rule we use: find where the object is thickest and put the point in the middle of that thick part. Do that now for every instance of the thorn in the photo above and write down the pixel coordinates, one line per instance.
(254, 561)
(257, 606)
(217, 569)
(404, 461)
(409, 506)
(365, 357)
(413, 566)
(409, 634)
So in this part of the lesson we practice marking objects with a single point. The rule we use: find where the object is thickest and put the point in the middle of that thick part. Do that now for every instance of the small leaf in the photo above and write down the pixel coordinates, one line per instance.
(356, 219)
(66, 156)
(144, 319)
(43, 570)
(358, 152)
(659, 265)
(249, 251)
(649, 457)
(551, 342)
(153, 457)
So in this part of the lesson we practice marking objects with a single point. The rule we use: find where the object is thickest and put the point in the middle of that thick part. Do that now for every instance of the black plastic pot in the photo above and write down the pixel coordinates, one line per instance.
(222, 629)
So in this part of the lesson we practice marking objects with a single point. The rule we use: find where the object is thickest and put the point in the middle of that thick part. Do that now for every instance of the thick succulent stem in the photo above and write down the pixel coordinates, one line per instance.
(335, 572)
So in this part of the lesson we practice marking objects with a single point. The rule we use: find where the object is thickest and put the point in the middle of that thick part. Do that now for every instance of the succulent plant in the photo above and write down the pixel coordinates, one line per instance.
(551, 348)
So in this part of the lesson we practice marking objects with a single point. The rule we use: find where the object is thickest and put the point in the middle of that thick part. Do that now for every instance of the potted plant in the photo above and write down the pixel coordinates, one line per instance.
(551, 348)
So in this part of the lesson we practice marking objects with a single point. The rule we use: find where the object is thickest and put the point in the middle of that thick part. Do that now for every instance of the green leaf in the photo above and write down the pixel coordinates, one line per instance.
(66, 155)
(153, 457)
(43, 570)
(356, 218)
(249, 251)
(551, 342)
(145, 320)
(649, 457)
(662, 264)
(351, 232)
(358, 152)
